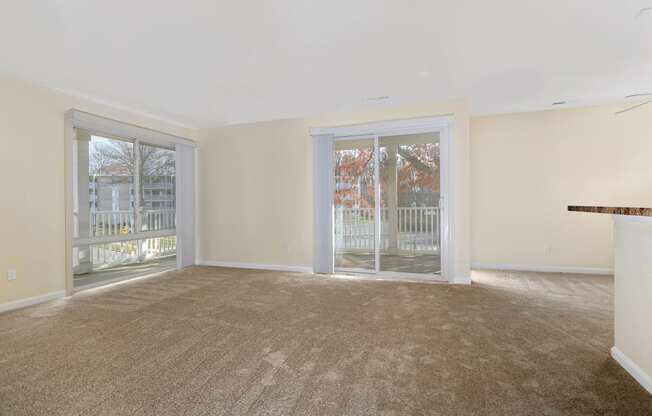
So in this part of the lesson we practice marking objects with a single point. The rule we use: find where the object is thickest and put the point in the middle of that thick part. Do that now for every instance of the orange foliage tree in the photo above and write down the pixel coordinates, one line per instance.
(417, 176)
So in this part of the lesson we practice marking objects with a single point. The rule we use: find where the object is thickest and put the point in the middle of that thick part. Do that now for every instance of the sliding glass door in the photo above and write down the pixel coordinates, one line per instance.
(124, 208)
(387, 204)
(410, 195)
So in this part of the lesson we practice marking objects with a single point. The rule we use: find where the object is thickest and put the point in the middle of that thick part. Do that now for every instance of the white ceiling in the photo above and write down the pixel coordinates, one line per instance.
(208, 62)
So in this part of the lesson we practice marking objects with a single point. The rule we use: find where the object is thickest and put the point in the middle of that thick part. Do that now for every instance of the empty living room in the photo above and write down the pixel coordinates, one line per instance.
(356, 207)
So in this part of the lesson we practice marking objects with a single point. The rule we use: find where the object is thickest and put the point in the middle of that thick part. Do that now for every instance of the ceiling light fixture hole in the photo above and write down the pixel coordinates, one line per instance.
(379, 98)
(644, 11)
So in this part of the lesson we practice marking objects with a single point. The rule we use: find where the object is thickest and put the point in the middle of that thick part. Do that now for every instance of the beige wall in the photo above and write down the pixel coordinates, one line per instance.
(32, 185)
(255, 192)
(526, 168)
(255, 184)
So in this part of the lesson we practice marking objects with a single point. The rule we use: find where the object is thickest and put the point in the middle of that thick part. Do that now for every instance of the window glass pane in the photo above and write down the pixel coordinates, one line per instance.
(410, 215)
(157, 188)
(111, 169)
(102, 176)
(354, 203)
(106, 193)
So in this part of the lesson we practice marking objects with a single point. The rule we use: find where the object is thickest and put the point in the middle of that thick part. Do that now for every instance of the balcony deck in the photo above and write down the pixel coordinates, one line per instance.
(124, 271)
(424, 263)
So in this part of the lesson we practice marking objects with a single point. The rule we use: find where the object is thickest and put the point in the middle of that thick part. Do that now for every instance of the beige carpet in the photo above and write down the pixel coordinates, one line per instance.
(212, 341)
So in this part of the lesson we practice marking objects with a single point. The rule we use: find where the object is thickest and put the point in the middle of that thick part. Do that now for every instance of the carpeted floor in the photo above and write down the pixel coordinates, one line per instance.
(213, 341)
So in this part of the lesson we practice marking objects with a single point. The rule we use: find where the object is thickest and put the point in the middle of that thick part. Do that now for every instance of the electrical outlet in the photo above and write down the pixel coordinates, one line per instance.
(11, 274)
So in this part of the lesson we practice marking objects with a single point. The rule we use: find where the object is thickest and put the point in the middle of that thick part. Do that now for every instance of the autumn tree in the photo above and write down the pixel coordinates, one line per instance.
(417, 175)
(354, 174)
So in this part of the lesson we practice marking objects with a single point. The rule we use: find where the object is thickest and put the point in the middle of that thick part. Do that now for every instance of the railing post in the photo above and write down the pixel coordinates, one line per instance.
(392, 198)
(137, 186)
(436, 229)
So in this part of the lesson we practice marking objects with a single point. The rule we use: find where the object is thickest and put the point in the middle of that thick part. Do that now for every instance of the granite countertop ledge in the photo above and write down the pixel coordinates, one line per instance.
(641, 212)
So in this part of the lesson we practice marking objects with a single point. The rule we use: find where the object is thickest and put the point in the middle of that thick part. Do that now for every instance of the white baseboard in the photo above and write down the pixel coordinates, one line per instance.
(634, 370)
(257, 266)
(461, 280)
(17, 304)
(545, 269)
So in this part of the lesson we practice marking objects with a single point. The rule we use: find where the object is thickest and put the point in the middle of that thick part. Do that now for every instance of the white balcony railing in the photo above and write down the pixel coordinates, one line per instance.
(112, 223)
(417, 229)
(111, 254)
(163, 219)
(107, 223)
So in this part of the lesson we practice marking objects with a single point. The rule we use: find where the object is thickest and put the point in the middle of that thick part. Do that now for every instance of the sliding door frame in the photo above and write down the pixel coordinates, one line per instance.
(323, 139)
(79, 120)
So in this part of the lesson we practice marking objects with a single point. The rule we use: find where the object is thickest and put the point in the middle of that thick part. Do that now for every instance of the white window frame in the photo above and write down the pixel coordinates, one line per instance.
(102, 126)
